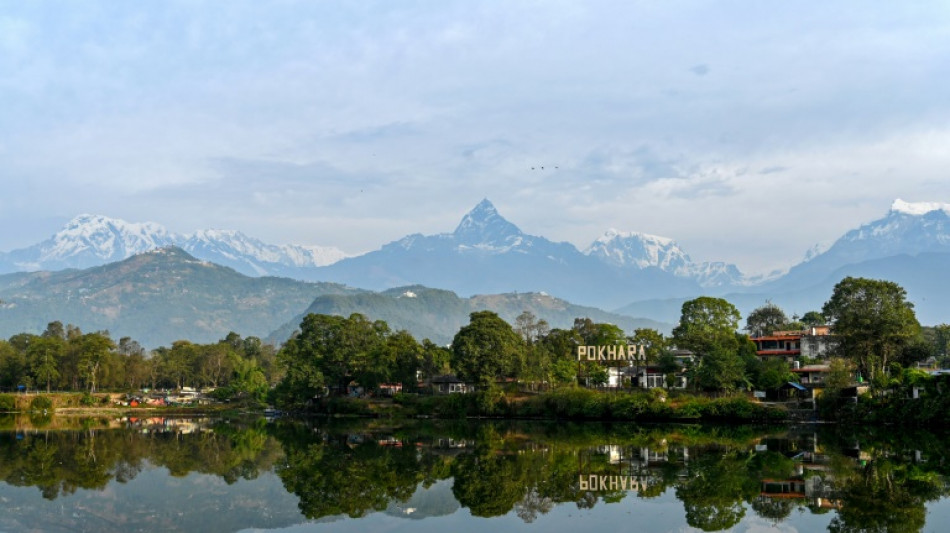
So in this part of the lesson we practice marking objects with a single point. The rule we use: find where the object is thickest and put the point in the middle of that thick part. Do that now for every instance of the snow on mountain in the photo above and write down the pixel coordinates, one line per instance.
(484, 228)
(640, 250)
(481, 231)
(230, 247)
(88, 240)
(918, 208)
(908, 229)
(486, 254)
(92, 240)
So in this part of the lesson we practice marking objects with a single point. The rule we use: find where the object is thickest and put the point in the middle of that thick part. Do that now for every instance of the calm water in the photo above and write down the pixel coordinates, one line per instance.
(229, 475)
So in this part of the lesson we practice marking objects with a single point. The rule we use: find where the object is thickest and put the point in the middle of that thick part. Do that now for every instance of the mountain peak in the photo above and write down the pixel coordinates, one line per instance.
(623, 248)
(483, 225)
(918, 208)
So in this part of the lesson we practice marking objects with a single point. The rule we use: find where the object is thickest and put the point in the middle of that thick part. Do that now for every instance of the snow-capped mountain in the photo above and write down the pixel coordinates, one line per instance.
(255, 257)
(909, 229)
(639, 251)
(484, 229)
(93, 240)
(488, 254)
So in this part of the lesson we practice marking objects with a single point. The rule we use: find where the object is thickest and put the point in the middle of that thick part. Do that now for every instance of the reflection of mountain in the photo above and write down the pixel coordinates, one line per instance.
(436, 500)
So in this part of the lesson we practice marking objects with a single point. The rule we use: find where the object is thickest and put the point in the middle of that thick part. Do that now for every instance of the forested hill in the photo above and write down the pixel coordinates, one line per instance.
(437, 315)
(156, 298)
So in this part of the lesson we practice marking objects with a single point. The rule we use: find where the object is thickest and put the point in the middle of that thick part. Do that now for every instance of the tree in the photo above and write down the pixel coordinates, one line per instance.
(764, 320)
(486, 349)
(706, 324)
(217, 362)
(813, 318)
(406, 355)
(435, 360)
(177, 364)
(872, 321)
(332, 350)
(43, 355)
(720, 370)
(94, 352)
(559, 347)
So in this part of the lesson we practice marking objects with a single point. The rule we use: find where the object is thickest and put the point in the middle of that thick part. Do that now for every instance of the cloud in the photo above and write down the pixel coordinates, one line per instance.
(350, 124)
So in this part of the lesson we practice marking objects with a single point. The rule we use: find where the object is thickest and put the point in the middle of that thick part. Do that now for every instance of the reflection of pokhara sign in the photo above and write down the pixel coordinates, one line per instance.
(612, 352)
(594, 483)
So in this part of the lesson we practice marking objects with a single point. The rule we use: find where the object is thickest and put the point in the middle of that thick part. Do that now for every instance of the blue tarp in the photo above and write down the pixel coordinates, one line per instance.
(797, 386)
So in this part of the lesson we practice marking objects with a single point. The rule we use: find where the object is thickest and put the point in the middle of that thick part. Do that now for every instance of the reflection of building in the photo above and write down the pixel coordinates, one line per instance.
(451, 384)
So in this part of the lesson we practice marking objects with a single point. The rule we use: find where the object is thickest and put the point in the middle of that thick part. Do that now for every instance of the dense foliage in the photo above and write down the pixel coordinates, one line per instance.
(63, 358)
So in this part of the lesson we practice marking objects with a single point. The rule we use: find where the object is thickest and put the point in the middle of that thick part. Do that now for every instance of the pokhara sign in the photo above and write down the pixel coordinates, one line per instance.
(611, 352)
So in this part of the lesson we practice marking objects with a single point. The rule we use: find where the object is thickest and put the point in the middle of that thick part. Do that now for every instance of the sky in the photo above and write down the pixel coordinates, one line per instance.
(748, 132)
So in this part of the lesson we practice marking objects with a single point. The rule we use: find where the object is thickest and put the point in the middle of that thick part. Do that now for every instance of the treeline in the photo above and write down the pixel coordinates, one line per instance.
(876, 336)
(63, 358)
(875, 329)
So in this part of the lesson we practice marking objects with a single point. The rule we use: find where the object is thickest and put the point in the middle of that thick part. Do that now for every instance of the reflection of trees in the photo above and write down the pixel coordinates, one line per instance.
(886, 496)
(876, 485)
(488, 484)
(531, 505)
(773, 509)
(60, 462)
(351, 476)
(713, 492)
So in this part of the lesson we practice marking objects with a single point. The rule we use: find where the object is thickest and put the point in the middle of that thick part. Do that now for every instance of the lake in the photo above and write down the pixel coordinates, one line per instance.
(197, 474)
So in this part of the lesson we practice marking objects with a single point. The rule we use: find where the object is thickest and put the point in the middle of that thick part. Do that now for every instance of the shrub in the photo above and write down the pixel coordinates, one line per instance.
(7, 403)
(40, 403)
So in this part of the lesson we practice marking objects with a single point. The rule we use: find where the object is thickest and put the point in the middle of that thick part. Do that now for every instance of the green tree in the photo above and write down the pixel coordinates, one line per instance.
(217, 362)
(333, 351)
(486, 349)
(94, 354)
(720, 370)
(873, 322)
(706, 324)
(813, 318)
(177, 363)
(406, 355)
(764, 320)
(560, 350)
(43, 355)
(435, 360)
(13, 366)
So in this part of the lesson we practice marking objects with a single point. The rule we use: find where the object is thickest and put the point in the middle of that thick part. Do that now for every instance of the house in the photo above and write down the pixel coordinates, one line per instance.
(651, 377)
(784, 344)
(817, 342)
(813, 343)
(812, 376)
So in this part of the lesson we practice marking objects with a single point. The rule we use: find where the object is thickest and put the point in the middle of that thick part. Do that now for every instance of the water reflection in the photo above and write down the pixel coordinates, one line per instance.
(175, 474)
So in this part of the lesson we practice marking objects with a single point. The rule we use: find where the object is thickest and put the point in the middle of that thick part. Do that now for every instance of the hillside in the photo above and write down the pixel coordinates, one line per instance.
(438, 314)
(156, 298)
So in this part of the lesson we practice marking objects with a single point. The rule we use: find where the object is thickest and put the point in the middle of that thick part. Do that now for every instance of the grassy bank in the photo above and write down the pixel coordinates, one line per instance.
(563, 404)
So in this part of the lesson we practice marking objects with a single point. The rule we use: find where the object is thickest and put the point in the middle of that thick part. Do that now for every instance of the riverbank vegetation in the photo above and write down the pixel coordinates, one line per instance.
(705, 370)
